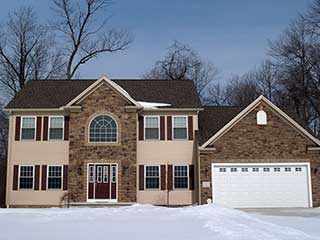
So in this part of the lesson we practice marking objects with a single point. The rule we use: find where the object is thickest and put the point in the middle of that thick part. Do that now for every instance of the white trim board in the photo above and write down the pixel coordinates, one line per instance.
(246, 111)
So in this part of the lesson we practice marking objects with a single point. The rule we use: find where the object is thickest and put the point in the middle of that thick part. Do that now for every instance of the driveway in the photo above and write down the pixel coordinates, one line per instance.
(293, 212)
(306, 220)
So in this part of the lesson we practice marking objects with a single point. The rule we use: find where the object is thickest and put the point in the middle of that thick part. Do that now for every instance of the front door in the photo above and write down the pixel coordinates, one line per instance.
(102, 182)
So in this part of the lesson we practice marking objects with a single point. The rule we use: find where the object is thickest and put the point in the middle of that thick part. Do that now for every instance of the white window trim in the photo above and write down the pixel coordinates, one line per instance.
(26, 189)
(99, 167)
(182, 189)
(105, 167)
(144, 127)
(111, 172)
(54, 189)
(145, 177)
(49, 122)
(35, 128)
(187, 126)
(88, 128)
(94, 173)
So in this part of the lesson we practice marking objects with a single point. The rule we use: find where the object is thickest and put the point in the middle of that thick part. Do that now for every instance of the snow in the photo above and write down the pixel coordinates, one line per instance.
(150, 222)
(153, 105)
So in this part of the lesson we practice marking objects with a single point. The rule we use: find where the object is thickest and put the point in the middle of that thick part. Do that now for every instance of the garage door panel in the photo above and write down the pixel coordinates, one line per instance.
(266, 185)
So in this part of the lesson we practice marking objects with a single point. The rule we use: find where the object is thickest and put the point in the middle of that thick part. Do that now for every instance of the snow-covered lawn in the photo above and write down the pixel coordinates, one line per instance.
(149, 222)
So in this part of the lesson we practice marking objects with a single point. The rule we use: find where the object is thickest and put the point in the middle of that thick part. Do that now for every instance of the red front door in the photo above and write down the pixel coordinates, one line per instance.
(102, 181)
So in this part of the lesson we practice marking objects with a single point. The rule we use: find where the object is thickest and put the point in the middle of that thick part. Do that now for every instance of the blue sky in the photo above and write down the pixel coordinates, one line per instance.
(232, 34)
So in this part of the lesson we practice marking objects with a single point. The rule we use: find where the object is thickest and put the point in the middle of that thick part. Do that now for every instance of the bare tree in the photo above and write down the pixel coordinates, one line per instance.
(294, 55)
(267, 79)
(4, 127)
(26, 51)
(83, 36)
(184, 63)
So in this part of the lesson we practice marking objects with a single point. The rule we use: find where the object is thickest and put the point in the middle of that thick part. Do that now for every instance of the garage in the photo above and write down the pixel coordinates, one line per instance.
(262, 185)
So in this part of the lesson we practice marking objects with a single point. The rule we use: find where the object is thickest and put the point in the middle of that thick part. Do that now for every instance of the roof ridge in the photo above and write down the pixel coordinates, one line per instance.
(221, 106)
(113, 79)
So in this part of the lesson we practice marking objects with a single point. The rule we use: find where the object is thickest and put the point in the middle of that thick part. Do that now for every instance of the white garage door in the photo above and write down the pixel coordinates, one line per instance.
(262, 185)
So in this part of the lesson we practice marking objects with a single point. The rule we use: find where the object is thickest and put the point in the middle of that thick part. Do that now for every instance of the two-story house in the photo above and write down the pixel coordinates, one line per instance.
(151, 141)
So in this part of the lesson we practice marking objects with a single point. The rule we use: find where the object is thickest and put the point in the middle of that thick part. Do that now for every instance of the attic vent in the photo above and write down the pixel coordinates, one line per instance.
(261, 118)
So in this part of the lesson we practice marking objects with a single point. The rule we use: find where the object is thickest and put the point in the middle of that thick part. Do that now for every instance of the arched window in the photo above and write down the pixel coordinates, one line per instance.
(261, 118)
(103, 129)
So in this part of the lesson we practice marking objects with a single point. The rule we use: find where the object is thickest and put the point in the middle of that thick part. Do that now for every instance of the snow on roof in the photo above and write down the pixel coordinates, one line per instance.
(153, 105)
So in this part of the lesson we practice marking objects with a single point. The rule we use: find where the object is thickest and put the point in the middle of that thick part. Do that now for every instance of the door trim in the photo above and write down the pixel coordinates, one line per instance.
(87, 188)
(306, 164)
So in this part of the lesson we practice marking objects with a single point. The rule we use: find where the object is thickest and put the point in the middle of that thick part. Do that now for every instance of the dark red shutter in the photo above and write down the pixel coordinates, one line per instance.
(141, 177)
(15, 177)
(162, 128)
(169, 127)
(37, 177)
(141, 126)
(18, 125)
(163, 177)
(44, 178)
(190, 127)
(170, 177)
(66, 128)
(39, 126)
(191, 177)
(65, 177)
(45, 128)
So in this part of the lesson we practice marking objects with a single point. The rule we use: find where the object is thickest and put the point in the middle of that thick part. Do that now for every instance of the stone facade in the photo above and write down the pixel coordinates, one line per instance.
(103, 100)
(247, 142)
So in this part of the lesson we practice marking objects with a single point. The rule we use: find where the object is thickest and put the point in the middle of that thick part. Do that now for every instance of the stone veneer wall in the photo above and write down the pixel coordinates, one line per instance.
(248, 142)
(103, 100)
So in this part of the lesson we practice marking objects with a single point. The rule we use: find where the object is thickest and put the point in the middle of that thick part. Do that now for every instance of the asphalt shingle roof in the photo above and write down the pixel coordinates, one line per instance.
(40, 94)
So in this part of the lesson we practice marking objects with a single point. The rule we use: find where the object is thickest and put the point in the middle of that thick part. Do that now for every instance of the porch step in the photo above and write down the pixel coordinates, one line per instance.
(97, 204)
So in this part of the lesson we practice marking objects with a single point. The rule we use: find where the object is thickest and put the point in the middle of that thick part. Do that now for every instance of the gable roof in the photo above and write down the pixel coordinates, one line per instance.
(98, 83)
(213, 118)
(229, 116)
(44, 94)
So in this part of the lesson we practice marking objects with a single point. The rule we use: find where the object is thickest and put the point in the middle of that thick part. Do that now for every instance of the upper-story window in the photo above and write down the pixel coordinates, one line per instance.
(103, 129)
(152, 127)
(261, 118)
(180, 127)
(28, 128)
(56, 128)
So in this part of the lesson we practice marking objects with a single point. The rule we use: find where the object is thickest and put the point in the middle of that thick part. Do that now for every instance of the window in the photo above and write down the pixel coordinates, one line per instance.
(105, 174)
(54, 177)
(113, 173)
(28, 128)
(91, 173)
(56, 128)
(255, 169)
(152, 128)
(244, 169)
(181, 177)
(152, 177)
(266, 169)
(99, 174)
(179, 127)
(233, 169)
(103, 129)
(261, 118)
(276, 169)
(222, 169)
(287, 169)
(26, 177)
(298, 169)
